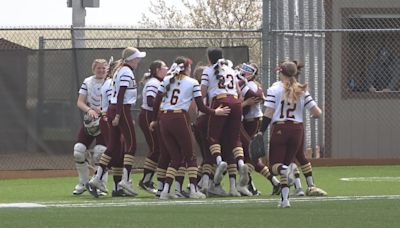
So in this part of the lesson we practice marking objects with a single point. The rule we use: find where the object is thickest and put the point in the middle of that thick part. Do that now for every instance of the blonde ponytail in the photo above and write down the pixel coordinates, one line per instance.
(293, 89)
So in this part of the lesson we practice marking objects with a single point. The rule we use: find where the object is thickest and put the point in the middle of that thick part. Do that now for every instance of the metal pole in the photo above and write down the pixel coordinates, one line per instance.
(312, 77)
(78, 20)
(291, 27)
(265, 42)
(321, 81)
(273, 40)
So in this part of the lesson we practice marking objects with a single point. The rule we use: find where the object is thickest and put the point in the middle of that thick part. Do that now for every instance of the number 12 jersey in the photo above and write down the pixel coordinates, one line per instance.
(283, 109)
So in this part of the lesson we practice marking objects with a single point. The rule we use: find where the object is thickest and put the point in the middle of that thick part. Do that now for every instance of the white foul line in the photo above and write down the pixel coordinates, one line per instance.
(155, 202)
(371, 179)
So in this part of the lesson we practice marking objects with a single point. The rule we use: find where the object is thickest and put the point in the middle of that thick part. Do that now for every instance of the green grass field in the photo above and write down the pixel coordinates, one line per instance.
(369, 196)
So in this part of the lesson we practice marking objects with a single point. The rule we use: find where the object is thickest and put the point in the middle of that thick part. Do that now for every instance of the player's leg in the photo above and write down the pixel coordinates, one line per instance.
(232, 130)
(179, 178)
(150, 163)
(172, 147)
(306, 169)
(162, 165)
(214, 132)
(184, 135)
(277, 153)
(127, 130)
(81, 163)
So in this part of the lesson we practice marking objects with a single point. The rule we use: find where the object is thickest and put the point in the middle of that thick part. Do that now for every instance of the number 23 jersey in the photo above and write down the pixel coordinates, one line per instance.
(180, 94)
(224, 84)
(285, 110)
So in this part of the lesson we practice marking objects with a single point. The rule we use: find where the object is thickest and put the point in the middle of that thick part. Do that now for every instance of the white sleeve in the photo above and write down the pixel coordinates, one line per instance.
(84, 89)
(204, 77)
(151, 89)
(161, 88)
(308, 101)
(126, 78)
(270, 100)
(196, 90)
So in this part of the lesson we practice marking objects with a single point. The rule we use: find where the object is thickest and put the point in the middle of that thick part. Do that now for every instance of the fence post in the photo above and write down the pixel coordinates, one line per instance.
(265, 42)
(75, 62)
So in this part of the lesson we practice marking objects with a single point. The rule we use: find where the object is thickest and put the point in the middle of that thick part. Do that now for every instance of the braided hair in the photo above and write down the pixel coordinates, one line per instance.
(177, 70)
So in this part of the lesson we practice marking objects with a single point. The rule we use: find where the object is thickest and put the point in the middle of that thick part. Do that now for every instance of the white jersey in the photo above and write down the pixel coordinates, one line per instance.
(225, 85)
(255, 110)
(91, 88)
(106, 95)
(150, 89)
(283, 109)
(180, 94)
(124, 77)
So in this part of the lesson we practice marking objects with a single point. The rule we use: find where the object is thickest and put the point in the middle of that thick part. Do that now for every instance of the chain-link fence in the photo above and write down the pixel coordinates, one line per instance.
(351, 55)
(350, 50)
(41, 73)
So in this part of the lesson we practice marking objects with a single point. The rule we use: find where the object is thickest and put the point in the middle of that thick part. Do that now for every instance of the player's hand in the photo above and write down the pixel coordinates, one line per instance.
(93, 114)
(252, 101)
(153, 125)
(222, 111)
(115, 121)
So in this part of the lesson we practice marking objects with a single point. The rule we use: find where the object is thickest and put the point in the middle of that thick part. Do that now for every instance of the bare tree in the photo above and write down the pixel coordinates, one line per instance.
(207, 14)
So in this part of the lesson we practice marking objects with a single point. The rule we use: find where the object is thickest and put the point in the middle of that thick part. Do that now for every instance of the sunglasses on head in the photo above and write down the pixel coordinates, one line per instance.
(247, 69)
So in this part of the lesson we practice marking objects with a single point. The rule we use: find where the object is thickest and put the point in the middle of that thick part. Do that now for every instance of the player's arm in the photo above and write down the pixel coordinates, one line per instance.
(268, 113)
(156, 109)
(82, 105)
(311, 105)
(220, 111)
(120, 103)
(315, 111)
(269, 103)
(204, 83)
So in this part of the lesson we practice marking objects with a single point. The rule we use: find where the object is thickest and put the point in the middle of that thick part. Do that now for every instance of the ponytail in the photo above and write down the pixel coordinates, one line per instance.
(177, 71)
(218, 66)
(293, 89)
(152, 72)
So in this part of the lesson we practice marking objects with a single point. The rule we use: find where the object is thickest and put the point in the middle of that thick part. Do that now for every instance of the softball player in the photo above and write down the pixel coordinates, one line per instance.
(157, 71)
(252, 92)
(123, 96)
(220, 84)
(175, 95)
(89, 102)
(285, 103)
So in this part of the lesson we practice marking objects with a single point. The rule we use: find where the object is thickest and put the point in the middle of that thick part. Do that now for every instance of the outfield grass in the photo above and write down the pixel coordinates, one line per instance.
(363, 203)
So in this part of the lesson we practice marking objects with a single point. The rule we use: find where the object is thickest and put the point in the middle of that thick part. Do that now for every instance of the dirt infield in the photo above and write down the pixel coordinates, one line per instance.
(23, 174)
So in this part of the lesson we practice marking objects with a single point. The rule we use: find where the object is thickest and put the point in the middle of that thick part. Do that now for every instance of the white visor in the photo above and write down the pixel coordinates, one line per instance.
(136, 55)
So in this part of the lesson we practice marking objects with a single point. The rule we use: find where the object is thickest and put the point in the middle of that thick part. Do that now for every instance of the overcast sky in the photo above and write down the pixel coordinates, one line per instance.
(56, 12)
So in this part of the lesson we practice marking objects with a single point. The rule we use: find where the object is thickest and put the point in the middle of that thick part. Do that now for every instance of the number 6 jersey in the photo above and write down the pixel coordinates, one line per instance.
(283, 109)
(180, 94)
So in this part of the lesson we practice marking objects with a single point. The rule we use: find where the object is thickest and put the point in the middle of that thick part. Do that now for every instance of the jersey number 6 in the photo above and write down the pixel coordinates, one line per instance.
(174, 97)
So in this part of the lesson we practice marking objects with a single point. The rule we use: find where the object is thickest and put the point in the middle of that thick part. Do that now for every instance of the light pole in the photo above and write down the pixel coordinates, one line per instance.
(78, 19)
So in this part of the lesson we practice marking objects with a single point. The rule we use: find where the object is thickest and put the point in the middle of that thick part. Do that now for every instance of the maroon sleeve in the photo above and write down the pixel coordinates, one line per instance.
(120, 99)
(150, 101)
(202, 107)
(156, 105)
(250, 93)
(241, 83)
